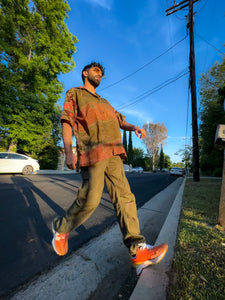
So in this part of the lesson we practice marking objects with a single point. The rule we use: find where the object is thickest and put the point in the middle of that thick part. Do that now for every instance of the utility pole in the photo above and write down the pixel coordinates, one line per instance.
(190, 25)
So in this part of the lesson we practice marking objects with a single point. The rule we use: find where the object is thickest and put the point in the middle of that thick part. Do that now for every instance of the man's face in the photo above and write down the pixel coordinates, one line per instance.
(94, 76)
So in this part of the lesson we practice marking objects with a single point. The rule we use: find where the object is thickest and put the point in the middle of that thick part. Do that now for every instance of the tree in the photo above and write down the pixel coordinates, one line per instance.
(130, 149)
(161, 159)
(125, 142)
(211, 114)
(178, 165)
(186, 155)
(35, 47)
(138, 157)
(156, 133)
(167, 162)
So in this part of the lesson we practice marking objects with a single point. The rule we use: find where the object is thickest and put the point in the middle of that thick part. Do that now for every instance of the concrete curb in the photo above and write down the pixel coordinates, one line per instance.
(55, 172)
(80, 274)
(154, 280)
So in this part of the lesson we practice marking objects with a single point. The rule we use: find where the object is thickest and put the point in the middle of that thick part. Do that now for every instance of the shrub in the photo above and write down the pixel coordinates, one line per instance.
(217, 172)
(48, 158)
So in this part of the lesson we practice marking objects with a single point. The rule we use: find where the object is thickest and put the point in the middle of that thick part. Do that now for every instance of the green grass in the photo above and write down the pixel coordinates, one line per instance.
(198, 270)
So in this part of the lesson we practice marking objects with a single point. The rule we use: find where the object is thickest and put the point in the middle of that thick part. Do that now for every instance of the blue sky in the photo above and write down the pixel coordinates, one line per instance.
(131, 39)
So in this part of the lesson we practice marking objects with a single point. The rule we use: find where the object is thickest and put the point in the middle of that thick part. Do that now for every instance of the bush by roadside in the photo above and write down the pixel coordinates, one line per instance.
(199, 260)
(48, 158)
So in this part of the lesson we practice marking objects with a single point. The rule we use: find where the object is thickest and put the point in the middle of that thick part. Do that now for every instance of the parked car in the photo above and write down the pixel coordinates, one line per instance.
(17, 163)
(127, 168)
(164, 170)
(137, 170)
(177, 171)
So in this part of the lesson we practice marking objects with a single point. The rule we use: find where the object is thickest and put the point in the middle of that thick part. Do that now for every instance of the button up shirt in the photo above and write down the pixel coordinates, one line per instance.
(96, 126)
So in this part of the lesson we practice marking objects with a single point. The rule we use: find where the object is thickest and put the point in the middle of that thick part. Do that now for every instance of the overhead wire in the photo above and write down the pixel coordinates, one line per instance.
(145, 65)
(203, 6)
(218, 50)
(154, 90)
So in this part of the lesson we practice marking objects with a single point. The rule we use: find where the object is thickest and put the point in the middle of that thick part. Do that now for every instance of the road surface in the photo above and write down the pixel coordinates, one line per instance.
(28, 205)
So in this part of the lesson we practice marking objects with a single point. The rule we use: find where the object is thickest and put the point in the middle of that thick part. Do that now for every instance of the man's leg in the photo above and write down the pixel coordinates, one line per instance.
(88, 198)
(124, 203)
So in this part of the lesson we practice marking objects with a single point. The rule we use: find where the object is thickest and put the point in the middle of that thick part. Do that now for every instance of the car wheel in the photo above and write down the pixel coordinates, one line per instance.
(27, 170)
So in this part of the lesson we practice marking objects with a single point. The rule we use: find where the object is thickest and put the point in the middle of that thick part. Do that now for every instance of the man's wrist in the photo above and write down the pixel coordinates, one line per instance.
(68, 150)
(136, 128)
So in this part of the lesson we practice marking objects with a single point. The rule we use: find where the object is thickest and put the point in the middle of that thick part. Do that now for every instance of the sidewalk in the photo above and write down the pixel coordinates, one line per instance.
(80, 274)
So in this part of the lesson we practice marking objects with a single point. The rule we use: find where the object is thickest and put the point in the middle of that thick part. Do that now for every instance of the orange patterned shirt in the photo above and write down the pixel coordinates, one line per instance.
(96, 126)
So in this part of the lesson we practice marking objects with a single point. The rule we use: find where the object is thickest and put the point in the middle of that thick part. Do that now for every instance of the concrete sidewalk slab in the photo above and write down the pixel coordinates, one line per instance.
(154, 280)
(80, 274)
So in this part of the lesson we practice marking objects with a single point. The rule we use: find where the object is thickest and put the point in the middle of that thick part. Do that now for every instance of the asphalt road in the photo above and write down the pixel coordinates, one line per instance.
(28, 205)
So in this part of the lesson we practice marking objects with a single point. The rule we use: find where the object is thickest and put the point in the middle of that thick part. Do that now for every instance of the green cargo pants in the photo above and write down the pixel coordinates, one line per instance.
(111, 172)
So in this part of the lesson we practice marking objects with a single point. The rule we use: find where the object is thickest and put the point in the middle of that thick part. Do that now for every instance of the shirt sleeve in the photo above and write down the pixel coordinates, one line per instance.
(121, 118)
(69, 112)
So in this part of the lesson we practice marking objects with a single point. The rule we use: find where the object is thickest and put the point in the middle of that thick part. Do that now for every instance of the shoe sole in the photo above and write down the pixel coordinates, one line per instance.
(53, 244)
(154, 261)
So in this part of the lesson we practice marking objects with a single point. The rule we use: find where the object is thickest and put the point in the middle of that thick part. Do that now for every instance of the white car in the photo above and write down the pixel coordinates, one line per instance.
(176, 171)
(17, 163)
(137, 170)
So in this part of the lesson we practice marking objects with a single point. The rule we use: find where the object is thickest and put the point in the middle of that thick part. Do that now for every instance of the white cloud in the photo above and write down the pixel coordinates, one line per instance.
(107, 4)
(140, 117)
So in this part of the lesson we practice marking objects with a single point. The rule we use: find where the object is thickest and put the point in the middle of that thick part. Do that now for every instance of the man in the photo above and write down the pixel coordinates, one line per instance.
(96, 126)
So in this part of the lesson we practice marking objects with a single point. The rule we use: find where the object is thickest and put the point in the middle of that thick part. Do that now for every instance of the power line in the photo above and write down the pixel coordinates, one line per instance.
(218, 50)
(147, 64)
(154, 90)
(203, 6)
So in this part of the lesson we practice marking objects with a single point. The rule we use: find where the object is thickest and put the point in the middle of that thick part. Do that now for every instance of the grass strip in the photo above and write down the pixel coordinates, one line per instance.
(198, 270)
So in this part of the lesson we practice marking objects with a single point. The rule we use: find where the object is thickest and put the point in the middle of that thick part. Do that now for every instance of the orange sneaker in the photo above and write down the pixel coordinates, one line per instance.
(149, 254)
(60, 242)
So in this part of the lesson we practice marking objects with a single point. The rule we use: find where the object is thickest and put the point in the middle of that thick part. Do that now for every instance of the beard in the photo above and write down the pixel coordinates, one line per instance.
(93, 81)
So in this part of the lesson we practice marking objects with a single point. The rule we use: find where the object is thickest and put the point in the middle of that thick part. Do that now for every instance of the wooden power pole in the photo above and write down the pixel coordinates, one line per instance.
(190, 25)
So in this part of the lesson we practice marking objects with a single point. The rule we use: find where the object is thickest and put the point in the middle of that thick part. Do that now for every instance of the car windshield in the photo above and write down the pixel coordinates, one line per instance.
(3, 155)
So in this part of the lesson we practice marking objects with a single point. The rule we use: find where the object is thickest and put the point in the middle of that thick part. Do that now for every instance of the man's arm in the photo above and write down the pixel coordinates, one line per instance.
(67, 140)
(136, 129)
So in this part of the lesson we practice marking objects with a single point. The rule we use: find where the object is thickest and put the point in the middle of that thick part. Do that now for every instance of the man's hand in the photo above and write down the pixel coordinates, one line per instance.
(140, 131)
(71, 160)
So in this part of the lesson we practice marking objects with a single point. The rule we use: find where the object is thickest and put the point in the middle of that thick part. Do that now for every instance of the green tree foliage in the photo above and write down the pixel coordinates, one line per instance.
(141, 159)
(125, 143)
(147, 163)
(167, 162)
(186, 155)
(130, 149)
(138, 157)
(35, 47)
(161, 159)
(48, 157)
(178, 165)
(212, 113)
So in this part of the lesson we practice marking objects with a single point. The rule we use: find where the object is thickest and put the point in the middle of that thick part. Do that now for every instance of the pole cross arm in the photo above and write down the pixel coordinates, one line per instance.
(178, 7)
